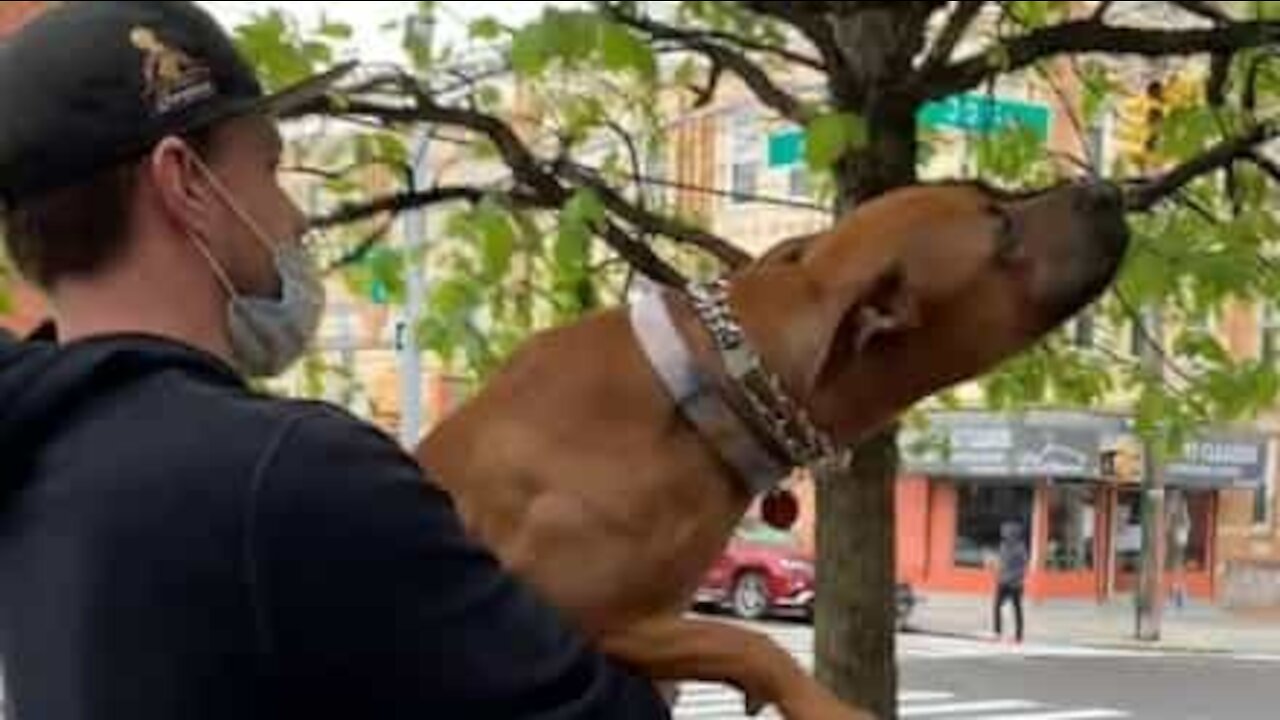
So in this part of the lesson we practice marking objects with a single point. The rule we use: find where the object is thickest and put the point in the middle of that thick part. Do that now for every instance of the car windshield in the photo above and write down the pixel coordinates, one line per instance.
(758, 531)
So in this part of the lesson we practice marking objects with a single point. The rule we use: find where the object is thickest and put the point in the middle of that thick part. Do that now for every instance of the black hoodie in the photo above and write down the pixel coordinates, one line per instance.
(173, 545)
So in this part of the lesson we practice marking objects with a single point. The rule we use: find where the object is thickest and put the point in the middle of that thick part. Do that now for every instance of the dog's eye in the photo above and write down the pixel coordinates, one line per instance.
(1007, 241)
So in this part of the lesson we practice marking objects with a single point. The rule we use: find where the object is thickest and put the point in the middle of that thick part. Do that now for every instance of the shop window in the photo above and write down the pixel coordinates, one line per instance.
(1072, 528)
(980, 513)
(1188, 547)
(1188, 526)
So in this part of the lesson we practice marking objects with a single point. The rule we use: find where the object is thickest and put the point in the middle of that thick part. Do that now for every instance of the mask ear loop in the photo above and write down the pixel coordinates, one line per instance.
(218, 271)
(223, 194)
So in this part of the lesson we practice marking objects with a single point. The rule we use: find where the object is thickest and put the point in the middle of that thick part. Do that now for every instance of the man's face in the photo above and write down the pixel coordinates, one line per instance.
(246, 162)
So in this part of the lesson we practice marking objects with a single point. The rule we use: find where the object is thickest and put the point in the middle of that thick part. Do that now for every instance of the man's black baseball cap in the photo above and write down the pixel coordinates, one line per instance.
(89, 85)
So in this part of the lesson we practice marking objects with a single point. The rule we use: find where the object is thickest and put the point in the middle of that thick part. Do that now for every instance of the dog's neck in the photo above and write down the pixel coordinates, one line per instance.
(718, 382)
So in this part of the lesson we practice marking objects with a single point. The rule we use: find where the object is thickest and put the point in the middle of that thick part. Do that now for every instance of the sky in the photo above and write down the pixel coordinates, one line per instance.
(366, 18)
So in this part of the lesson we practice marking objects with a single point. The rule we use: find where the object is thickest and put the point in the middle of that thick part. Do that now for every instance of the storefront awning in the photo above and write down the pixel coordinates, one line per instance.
(997, 447)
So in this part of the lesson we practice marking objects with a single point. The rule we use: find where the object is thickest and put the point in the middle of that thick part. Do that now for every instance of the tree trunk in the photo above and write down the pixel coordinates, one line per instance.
(854, 628)
(854, 615)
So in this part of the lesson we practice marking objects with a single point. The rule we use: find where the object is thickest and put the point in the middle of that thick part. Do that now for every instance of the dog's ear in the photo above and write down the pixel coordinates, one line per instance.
(887, 307)
(787, 252)
(890, 308)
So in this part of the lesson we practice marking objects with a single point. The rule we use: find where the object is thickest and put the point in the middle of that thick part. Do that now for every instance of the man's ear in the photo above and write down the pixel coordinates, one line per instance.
(887, 308)
(179, 184)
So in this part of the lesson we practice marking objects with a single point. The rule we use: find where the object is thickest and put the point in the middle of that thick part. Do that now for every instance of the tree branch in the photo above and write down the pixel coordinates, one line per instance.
(749, 45)
(537, 183)
(766, 90)
(396, 203)
(1264, 163)
(1144, 195)
(1205, 10)
(1089, 36)
(722, 249)
(810, 19)
(959, 22)
(704, 95)
(1100, 12)
(641, 256)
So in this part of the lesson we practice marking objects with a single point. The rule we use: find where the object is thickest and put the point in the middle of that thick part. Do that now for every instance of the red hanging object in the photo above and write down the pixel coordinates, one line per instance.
(780, 509)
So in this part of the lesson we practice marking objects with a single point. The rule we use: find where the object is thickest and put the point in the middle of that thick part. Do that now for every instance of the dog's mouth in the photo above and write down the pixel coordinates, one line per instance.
(1087, 241)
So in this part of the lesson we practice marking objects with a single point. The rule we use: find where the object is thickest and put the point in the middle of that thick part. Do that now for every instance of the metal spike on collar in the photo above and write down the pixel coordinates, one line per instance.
(787, 423)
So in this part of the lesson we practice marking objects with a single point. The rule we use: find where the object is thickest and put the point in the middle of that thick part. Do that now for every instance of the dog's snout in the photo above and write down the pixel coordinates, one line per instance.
(1100, 197)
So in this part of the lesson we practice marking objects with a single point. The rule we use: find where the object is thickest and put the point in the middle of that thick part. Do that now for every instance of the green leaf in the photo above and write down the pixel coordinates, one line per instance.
(1012, 154)
(585, 207)
(486, 28)
(335, 30)
(621, 50)
(391, 149)
(531, 50)
(831, 136)
(497, 240)
(273, 45)
(572, 243)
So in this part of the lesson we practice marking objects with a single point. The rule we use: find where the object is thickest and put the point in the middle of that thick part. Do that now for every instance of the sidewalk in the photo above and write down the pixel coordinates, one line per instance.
(1194, 628)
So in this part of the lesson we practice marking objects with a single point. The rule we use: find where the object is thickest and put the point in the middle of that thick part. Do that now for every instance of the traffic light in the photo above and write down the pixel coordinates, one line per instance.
(1138, 123)
(1122, 461)
(1140, 117)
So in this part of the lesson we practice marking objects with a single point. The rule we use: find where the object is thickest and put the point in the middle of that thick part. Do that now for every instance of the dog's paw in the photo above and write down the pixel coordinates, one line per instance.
(753, 706)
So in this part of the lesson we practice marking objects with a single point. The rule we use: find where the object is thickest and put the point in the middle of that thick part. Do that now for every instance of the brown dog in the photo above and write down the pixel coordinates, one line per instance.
(577, 467)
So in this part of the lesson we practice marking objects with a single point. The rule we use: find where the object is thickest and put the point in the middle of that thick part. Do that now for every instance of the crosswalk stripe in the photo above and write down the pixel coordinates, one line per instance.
(983, 706)
(1098, 714)
(908, 696)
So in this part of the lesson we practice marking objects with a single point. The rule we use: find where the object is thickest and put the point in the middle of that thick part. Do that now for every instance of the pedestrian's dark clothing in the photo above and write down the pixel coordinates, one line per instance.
(175, 545)
(1012, 577)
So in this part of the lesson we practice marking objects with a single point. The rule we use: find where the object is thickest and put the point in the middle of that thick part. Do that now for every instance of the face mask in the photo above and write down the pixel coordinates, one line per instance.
(269, 334)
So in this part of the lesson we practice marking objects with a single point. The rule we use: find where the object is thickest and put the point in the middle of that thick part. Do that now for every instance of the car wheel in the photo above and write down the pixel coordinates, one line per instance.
(750, 598)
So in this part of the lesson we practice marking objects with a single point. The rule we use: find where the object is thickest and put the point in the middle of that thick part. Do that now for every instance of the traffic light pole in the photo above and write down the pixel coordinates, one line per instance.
(1149, 601)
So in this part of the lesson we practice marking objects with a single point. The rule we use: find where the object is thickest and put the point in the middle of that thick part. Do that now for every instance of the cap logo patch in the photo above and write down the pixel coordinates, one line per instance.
(172, 79)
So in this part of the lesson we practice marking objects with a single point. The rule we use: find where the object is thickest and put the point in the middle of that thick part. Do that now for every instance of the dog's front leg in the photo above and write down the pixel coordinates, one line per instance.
(677, 648)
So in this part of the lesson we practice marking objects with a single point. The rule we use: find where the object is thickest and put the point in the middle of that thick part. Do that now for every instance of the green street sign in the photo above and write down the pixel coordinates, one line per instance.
(786, 148)
(984, 114)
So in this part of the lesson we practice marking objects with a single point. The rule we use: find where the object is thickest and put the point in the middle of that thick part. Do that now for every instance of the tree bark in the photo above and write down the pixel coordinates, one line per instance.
(854, 628)
(855, 614)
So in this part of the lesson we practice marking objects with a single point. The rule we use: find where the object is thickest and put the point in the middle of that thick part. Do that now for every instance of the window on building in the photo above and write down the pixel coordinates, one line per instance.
(1072, 528)
(1269, 333)
(798, 184)
(745, 146)
(1264, 500)
(1083, 331)
(980, 512)
(656, 170)
(744, 178)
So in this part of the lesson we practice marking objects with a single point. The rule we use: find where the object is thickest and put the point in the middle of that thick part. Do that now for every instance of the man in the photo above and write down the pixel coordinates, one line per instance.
(174, 545)
(1011, 578)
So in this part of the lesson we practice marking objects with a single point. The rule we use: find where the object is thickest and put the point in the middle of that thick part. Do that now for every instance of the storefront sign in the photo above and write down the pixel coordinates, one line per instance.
(1035, 445)
(1216, 461)
(1066, 445)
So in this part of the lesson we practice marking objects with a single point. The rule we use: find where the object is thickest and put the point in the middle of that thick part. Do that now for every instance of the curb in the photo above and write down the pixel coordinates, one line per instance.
(1157, 648)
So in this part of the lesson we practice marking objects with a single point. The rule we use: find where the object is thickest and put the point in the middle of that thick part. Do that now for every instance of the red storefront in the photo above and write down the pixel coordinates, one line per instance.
(1084, 530)
(948, 533)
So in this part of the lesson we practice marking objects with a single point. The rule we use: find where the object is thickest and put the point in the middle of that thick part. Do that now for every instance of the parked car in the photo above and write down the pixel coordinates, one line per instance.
(764, 572)
(761, 572)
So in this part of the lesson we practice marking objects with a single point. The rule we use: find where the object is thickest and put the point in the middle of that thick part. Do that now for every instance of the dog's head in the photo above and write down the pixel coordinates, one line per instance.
(923, 288)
